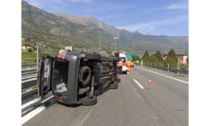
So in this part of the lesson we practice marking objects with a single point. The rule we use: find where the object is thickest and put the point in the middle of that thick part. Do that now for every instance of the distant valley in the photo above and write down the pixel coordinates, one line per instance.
(55, 31)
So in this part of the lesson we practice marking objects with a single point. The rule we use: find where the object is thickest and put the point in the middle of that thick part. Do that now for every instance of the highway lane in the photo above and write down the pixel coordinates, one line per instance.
(162, 103)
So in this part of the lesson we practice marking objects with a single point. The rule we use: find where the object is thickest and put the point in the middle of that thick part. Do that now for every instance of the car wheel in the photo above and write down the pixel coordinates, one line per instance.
(89, 101)
(84, 75)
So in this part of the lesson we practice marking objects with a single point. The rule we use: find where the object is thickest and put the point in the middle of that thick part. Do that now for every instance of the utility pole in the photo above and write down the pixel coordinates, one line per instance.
(178, 66)
(37, 57)
(100, 43)
(115, 42)
(37, 63)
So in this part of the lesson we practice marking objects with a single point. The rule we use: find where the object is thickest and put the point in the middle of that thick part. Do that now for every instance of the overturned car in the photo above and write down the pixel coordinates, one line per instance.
(77, 77)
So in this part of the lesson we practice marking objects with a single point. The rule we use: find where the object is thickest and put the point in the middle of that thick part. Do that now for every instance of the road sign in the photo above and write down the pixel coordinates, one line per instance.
(129, 56)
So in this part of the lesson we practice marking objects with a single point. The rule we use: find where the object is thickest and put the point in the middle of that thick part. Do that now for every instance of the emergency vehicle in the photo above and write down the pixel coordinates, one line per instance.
(123, 58)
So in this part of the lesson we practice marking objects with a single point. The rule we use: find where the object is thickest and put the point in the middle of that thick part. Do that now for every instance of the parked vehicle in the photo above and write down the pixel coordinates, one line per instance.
(76, 77)
(122, 56)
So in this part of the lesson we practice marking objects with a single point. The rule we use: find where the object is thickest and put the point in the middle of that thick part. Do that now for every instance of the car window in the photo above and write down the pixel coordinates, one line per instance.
(123, 59)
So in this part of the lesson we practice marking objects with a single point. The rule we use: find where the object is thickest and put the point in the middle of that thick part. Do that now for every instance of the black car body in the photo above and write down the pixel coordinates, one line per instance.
(76, 77)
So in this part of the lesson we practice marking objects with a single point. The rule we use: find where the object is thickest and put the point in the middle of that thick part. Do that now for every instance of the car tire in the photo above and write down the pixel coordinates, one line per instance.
(89, 101)
(84, 69)
(114, 85)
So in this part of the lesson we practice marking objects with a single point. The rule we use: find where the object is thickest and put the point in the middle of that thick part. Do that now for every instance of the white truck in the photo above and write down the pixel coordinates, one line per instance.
(123, 58)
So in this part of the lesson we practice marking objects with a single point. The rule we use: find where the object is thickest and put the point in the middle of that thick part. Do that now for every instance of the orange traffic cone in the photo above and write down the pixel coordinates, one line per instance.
(150, 82)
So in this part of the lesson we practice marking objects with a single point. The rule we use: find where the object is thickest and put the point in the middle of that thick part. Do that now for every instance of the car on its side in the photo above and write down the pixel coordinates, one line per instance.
(77, 78)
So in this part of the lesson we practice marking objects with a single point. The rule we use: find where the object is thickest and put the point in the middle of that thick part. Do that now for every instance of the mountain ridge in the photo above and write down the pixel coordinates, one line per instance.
(58, 30)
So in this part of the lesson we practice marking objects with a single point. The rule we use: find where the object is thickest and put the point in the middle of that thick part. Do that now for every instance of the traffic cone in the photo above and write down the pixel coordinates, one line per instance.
(150, 82)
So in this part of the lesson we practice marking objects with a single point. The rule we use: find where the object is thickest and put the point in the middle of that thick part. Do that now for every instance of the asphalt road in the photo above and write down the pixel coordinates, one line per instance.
(134, 103)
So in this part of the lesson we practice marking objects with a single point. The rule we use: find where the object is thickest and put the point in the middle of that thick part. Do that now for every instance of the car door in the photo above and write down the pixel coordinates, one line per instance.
(44, 79)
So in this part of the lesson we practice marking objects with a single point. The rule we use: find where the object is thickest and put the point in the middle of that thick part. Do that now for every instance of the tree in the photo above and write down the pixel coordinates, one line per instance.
(171, 59)
(158, 55)
(135, 57)
(172, 54)
(153, 59)
(146, 54)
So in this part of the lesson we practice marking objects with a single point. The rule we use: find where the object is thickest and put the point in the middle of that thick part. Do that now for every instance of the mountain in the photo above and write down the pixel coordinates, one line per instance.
(54, 31)
(91, 22)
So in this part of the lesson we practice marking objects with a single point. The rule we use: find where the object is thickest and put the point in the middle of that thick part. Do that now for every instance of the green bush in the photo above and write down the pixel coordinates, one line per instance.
(171, 61)
(29, 50)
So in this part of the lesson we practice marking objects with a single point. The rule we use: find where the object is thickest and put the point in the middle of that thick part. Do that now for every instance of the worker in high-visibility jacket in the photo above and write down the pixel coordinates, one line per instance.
(128, 64)
(119, 66)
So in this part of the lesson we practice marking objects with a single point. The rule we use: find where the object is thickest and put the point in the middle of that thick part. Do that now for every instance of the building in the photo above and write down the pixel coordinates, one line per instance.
(68, 48)
(182, 58)
(25, 47)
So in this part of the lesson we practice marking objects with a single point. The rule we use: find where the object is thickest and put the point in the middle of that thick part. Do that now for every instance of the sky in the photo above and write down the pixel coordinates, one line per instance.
(198, 37)
(155, 17)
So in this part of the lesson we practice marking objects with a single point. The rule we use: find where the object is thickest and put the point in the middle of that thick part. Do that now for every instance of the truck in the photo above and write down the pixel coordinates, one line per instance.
(123, 58)
(77, 78)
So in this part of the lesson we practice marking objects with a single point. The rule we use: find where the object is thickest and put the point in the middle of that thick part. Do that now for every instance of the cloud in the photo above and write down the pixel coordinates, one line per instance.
(180, 5)
(151, 25)
(82, 1)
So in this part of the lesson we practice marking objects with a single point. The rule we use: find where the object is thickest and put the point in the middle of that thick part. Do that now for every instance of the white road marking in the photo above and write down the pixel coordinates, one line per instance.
(30, 102)
(163, 75)
(47, 99)
(82, 121)
(138, 84)
(32, 114)
(35, 112)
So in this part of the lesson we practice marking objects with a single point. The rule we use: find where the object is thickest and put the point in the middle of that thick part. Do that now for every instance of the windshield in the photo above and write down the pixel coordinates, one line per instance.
(123, 59)
(60, 76)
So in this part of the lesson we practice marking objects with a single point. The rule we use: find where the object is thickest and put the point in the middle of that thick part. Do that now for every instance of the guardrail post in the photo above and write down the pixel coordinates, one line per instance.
(178, 68)
(37, 57)
(28, 65)
(37, 69)
(155, 65)
(168, 67)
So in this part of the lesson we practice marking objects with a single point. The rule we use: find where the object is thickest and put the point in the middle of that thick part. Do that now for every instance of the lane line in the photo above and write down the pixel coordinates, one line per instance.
(30, 102)
(82, 121)
(35, 112)
(138, 84)
(47, 99)
(163, 75)
(32, 114)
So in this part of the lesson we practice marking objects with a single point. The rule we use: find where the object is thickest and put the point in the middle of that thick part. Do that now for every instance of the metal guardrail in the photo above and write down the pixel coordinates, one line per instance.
(30, 97)
(29, 83)
(27, 80)
(181, 71)
(29, 66)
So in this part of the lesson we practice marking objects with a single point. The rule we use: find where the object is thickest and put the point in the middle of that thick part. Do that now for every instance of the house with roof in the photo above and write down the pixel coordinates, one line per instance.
(26, 46)
(182, 58)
